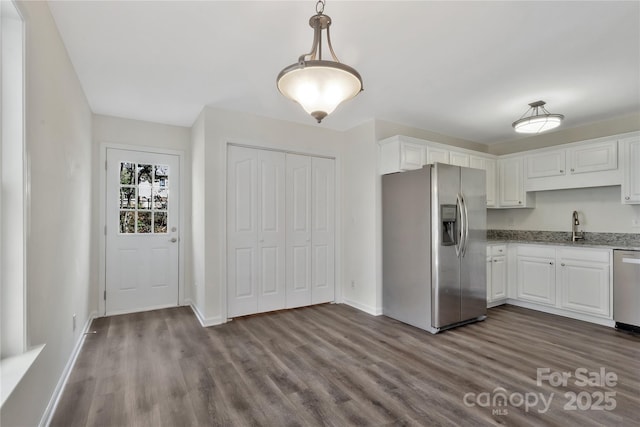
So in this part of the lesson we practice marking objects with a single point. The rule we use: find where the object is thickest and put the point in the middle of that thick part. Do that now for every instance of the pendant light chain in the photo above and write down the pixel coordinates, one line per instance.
(320, 7)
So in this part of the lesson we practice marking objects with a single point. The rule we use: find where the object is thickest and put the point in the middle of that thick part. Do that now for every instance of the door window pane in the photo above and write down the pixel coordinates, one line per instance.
(144, 222)
(144, 174)
(159, 222)
(127, 197)
(160, 198)
(161, 176)
(127, 173)
(127, 222)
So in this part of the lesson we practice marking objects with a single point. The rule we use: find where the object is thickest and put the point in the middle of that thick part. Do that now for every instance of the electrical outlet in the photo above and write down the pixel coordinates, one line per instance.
(74, 322)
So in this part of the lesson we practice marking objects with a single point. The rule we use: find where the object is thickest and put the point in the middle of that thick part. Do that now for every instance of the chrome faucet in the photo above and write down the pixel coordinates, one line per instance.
(575, 234)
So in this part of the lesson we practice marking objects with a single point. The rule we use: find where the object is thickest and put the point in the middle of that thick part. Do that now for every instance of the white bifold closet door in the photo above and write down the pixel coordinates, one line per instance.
(310, 225)
(255, 231)
(280, 230)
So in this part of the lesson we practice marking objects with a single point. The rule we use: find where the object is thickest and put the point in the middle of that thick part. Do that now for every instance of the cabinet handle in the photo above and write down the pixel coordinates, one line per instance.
(562, 264)
(499, 250)
(550, 262)
(519, 202)
(573, 170)
(495, 260)
(627, 198)
(561, 171)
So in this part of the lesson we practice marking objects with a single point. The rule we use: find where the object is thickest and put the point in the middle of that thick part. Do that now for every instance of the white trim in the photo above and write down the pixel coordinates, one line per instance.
(563, 313)
(374, 311)
(14, 368)
(102, 190)
(204, 321)
(62, 382)
(141, 309)
(491, 304)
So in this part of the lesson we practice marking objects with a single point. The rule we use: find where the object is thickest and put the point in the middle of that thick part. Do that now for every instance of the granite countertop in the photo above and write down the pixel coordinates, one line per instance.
(629, 241)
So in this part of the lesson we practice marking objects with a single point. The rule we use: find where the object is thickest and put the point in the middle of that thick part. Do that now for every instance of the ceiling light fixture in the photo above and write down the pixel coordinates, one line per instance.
(540, 119)
(318, 85)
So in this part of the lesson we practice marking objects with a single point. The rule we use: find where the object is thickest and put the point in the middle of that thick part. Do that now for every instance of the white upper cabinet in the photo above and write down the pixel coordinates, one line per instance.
(631, 164)
(578, 165)
(397, 155)
(593, 157)
(489, 166)
(459, 159)
(511, 192)
(550, 163)
(436, 154)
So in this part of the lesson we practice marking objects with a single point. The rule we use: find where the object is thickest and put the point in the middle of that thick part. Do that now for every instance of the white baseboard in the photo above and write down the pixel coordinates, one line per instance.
(57, 392)
(204, 321)
(560, 312)
(374, 311)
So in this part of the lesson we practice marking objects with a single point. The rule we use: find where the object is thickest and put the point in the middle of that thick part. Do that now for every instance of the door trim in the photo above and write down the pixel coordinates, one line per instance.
(102, 221)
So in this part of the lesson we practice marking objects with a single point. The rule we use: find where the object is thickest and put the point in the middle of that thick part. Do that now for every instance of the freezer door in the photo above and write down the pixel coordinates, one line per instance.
(406, 246)
(473, 266)
(445, 264)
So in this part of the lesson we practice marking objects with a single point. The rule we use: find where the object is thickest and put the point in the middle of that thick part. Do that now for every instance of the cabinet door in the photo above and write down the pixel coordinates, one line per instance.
(498, 277)
(489, 292)
(511, 183)
(459, 159)
(323, 231)
(242, 231)
(298, 225)
(536, 279)
(437, 155)
(585, 287)
(631, 181)
(271, 230)
(551, 163)
(411, 156)
(489, 166)
(593, 157)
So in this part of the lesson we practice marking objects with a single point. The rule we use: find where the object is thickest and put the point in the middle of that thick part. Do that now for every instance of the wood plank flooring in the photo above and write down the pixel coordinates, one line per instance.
(334, 365)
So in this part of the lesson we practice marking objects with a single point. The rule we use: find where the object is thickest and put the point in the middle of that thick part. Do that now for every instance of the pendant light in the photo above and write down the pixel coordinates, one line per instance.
(318, 85)
(540, 119)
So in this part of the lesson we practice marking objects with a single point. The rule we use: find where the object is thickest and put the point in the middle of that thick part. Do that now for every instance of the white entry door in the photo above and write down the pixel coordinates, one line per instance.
(142, 206)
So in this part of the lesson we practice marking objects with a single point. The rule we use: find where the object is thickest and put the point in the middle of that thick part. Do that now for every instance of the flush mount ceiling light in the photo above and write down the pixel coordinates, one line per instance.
(539, 120)
(318, 85)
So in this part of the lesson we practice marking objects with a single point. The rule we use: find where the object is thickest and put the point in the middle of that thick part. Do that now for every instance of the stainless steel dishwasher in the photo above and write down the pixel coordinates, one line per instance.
(626, 289)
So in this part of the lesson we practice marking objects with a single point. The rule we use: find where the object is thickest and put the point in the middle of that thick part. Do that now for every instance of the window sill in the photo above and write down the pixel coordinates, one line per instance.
(12, 369)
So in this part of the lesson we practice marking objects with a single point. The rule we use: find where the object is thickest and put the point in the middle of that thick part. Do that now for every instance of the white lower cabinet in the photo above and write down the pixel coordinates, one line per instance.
(496, 273)
(569, 280)
(536, 275)
(584, 281)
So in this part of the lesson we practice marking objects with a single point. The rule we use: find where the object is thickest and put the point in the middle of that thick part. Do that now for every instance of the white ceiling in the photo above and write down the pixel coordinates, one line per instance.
(463, 69)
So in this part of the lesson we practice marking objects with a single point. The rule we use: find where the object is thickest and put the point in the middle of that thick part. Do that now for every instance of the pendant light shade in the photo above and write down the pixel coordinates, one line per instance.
(539, 120)
(318, 85)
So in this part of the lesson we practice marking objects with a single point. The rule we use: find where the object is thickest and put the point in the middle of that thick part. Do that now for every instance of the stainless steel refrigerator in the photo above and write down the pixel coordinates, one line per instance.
(434, 246)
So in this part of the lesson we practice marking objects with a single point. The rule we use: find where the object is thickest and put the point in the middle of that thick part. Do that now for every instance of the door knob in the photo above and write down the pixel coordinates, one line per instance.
(562, 264)
(551, 263)
(173, 240)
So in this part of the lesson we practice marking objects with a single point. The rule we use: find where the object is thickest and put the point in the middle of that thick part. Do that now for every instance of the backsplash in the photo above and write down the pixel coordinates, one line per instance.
(623, 239)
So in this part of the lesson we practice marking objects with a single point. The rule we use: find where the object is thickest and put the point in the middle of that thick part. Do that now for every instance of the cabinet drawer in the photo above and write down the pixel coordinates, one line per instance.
(498, 249)
(537, 251)
(590, 255)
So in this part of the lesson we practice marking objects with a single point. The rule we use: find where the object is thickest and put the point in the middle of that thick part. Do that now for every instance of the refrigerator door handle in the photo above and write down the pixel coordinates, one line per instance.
(461, 241)
(466, 225)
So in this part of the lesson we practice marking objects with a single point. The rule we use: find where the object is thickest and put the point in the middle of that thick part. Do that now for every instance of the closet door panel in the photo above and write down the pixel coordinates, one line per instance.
(323, 230)
(242, 231)
(298, 226)
(271, 230)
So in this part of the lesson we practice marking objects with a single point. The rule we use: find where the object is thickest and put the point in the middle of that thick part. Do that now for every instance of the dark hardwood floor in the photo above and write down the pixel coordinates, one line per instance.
(334, 365)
